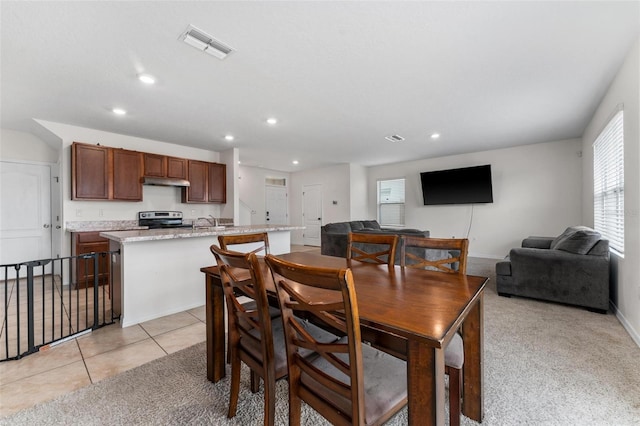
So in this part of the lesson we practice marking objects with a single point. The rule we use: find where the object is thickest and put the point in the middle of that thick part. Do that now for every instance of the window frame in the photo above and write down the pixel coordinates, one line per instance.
(608, 181)
(401, 204)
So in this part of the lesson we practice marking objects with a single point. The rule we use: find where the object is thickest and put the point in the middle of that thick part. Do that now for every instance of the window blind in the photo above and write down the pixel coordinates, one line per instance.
(391, 202)
(608, 182)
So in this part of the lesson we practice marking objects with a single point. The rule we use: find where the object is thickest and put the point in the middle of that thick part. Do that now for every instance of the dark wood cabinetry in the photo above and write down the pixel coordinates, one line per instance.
(208, 183)
(85, 243)
(102, 173)
(127, 171)
(217, 183)
(162, 166)
(90, 172)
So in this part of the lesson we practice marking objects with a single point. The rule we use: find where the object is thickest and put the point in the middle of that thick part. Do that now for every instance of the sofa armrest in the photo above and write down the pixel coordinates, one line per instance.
(537, 242)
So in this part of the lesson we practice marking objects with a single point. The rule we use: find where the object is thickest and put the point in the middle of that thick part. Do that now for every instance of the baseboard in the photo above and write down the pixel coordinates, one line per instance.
(485, 256)
(632, 332)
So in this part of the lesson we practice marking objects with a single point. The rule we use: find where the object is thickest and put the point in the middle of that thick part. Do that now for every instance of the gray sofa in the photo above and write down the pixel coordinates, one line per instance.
(333, 236)
(572, 268)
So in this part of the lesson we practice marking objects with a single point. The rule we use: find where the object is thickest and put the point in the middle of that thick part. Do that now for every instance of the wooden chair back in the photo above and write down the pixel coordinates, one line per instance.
(251, 334)
(246, 240)
(295, 285)
(384, 252)
(409, 258)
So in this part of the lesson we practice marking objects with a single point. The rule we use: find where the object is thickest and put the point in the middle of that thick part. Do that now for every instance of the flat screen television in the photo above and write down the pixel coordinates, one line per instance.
(469, 185)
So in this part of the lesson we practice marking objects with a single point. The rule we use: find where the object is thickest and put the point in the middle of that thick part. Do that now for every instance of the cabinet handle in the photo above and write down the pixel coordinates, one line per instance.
(46, 225)
(58, 226)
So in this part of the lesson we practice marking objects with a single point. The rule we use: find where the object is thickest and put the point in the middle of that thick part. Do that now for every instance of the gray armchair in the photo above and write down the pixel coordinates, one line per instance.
(572, 268)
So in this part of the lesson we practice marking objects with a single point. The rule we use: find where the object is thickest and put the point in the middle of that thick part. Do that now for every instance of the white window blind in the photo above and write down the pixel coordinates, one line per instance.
(608, 182)
(391, 202)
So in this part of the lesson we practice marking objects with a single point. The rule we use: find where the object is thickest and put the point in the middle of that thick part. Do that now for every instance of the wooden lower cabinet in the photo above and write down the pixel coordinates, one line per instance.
(85, 243)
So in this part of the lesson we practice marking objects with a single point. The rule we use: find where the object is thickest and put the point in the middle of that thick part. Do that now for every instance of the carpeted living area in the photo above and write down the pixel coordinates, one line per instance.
(545, 364)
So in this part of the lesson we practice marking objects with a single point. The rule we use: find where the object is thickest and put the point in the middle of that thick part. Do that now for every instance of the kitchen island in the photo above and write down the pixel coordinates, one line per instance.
(158, 270)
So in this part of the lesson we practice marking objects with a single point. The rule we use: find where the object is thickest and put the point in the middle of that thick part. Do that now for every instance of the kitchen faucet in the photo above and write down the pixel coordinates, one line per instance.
(208, 219)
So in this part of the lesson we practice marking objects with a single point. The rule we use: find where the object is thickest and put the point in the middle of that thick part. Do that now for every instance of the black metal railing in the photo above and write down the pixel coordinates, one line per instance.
(47, 301)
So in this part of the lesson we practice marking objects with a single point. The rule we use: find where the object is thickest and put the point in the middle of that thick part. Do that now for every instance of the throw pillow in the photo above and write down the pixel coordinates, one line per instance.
(580, 241)
(570, 230)
(356, 225)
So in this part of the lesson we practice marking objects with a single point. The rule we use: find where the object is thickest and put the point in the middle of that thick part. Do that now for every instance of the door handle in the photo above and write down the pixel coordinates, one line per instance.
(58, 226)
(46, 225)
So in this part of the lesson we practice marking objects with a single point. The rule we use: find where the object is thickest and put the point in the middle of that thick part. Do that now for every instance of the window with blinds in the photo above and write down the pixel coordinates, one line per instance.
(391, 202)
(608, 182)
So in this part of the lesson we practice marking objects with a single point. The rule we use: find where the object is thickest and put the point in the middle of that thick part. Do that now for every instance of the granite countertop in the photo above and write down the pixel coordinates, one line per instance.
(103, 225)
(129, 236)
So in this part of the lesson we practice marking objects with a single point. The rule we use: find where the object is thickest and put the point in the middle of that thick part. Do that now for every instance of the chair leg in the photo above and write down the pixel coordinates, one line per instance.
(255, 382)
(269, 401)
(455, 384)
(234, 392)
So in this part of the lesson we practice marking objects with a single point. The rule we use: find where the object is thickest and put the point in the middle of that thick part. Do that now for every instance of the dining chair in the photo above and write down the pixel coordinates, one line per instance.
(372, 248)
(255, 337)
(348, 383)
(449, 256)
(246, 243)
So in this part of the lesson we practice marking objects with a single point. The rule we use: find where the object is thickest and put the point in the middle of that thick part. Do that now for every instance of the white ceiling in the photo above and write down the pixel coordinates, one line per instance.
(339, 76)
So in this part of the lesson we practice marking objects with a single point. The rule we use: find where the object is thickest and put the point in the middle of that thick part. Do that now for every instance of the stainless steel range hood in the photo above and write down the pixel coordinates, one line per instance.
(160, 181)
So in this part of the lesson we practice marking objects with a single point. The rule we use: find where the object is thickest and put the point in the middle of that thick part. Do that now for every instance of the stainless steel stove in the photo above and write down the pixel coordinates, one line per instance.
(161, 219)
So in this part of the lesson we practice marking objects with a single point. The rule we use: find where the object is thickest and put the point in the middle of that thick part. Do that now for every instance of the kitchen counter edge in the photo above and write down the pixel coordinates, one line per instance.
(133, 236)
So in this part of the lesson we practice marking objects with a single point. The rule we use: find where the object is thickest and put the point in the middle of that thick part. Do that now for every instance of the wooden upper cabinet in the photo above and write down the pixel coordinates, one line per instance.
(208, 183)
(155, 165)
(90, 172)
(197, 176)
(217, 183)
(127, 174)
(162, 166)
(176, 167)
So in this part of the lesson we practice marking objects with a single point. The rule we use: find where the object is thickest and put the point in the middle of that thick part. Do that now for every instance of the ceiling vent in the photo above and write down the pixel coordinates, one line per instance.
(203, 41)
(394, 138)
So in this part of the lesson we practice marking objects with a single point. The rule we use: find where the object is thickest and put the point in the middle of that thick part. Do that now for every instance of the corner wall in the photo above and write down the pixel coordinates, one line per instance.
(625, 284)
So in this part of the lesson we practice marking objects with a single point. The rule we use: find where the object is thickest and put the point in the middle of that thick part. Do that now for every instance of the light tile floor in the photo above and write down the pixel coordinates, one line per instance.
(98, 355)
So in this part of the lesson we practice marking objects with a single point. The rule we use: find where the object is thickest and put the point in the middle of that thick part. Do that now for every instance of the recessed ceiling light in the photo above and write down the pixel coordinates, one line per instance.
(146, 79)
(435, 135)
(228, 138)
(239, 162)
(295, 161)
(272, 121)
(119, 111)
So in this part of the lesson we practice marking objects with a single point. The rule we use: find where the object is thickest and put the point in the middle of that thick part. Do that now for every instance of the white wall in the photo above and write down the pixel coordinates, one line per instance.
(251, 186)
(21, 146)
(335, 181)
(358, 193)
(625, 89)
(536, 191)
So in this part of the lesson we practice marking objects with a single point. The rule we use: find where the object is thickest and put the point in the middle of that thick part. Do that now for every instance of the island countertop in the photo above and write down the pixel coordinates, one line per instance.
(132, 236)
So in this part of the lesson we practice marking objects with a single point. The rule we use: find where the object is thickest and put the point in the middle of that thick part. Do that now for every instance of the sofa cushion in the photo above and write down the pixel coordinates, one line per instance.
(580, 240)
(338, 227)
(371, 224)
(356, 225)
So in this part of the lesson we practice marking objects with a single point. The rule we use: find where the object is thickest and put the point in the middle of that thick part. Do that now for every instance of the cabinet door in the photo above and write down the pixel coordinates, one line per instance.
(89, 172)
(89, 242)
(155, 165)
(217, 183)
(127, 174)
(197, 192)
(176, 167)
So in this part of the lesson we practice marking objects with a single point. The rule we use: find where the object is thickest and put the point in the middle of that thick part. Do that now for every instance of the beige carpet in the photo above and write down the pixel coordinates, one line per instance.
(545, 364)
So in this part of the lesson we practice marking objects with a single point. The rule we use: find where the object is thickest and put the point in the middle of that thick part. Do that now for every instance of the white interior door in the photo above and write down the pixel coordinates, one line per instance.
(276, 204)
(312, 214)
(25, 212)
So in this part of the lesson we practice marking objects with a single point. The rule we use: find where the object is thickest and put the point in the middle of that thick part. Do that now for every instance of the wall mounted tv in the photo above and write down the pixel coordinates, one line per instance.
(467, 185)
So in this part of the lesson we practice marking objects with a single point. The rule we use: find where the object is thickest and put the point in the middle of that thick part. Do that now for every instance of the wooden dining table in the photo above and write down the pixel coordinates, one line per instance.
(410, 313)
